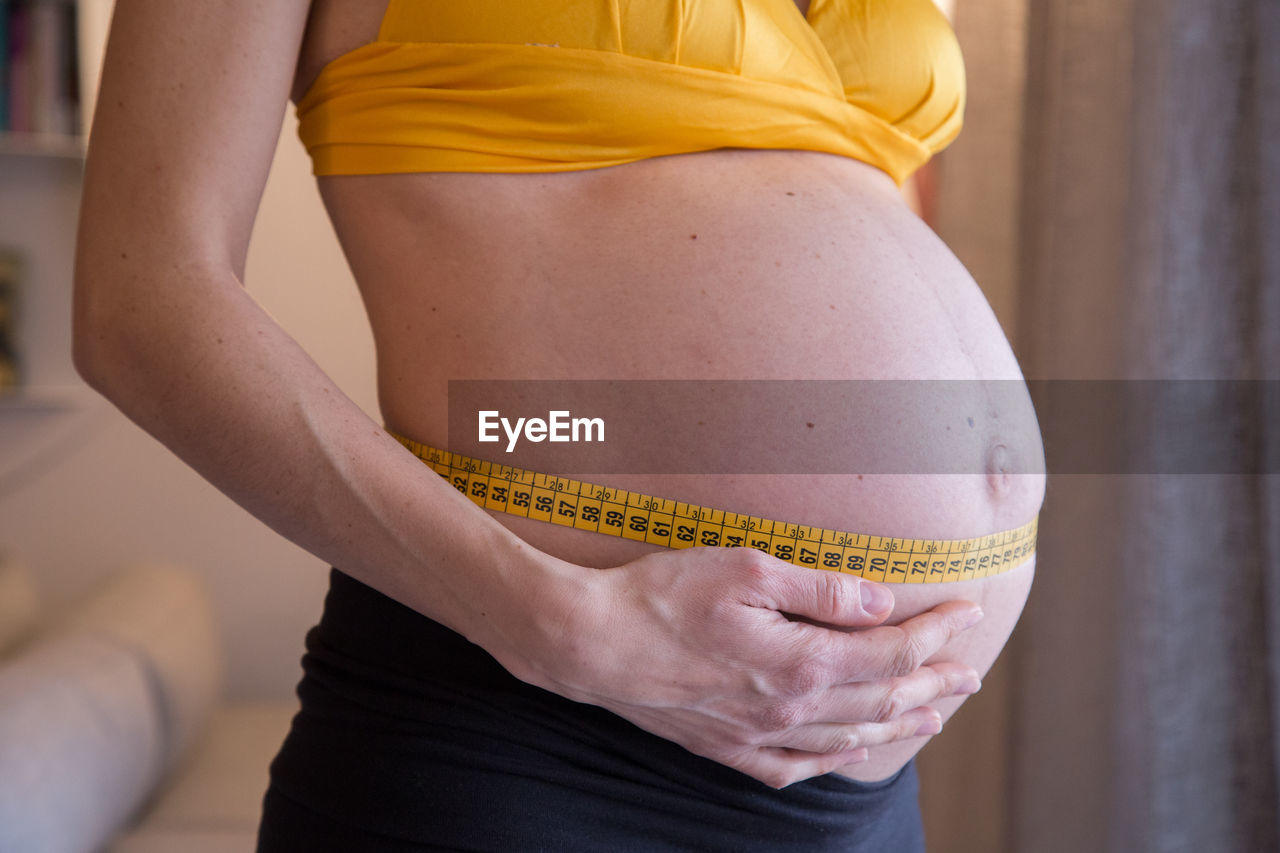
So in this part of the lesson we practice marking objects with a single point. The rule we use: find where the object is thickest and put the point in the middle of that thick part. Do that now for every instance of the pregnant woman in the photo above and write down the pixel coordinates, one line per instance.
(548, 191)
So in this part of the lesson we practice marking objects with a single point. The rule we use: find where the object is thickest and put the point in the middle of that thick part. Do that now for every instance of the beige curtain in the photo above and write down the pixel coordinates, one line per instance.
(1143, 685)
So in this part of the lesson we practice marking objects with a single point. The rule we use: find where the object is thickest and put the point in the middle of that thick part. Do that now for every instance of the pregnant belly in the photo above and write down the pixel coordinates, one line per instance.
(728, 265)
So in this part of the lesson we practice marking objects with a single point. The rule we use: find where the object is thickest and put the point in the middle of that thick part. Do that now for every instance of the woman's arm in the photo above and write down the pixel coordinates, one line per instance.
(189, 111)
(188, 116)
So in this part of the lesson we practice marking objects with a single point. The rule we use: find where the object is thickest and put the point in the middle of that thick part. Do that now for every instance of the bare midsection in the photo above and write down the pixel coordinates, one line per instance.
(720, 266)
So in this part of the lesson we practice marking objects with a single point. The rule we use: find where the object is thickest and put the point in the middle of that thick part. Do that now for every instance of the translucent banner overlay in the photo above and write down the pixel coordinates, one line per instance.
(594, 427)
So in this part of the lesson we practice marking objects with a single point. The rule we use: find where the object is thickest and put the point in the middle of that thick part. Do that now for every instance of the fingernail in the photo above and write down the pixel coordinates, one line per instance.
(875, 598)
(972, 684)
(931, 726)
(973, 617)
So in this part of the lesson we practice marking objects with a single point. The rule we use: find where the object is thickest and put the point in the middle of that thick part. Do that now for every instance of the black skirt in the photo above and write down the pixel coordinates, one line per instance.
(412, 738)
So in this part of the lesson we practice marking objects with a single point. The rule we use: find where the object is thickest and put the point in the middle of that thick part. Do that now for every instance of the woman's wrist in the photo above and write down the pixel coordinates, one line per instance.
(527, 618)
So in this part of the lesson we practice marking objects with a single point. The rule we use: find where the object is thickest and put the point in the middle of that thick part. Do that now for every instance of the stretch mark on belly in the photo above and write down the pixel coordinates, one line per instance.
(675, 524)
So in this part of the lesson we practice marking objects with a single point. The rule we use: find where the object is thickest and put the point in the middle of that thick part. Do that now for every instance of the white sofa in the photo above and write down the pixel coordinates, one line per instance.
(212, 804)
(114, 731)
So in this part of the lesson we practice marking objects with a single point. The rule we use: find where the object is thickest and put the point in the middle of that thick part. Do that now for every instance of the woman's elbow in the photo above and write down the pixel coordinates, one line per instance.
(88, 341)
(91, 343)
(99, 333)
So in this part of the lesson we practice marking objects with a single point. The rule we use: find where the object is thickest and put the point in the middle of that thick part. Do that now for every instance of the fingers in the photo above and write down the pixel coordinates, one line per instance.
(832, 739)
(894, 651)
(814, 749)
(820, 748)
(824, 748)
(828, 597)
(848, 716)
(779, 768)
(886, 700)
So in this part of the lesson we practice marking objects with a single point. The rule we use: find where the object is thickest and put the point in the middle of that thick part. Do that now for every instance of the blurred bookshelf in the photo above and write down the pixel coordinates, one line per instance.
(40, 73)
(13, 144)
(42, 148)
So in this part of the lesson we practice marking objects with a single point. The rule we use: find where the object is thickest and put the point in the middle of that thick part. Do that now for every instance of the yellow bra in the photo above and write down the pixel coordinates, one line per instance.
(558, 85)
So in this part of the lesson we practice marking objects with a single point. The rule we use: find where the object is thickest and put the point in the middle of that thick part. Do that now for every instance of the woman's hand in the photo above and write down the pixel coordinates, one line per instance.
(697, 646)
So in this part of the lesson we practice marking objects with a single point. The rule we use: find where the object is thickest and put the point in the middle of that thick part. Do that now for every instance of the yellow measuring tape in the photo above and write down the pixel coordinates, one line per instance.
(673, 524)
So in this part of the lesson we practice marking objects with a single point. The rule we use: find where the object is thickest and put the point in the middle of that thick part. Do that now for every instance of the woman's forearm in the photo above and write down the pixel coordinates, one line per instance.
(198, 364)
(187, 119)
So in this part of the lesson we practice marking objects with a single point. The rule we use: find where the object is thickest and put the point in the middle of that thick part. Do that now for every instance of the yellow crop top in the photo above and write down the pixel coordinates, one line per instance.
(558, 85)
